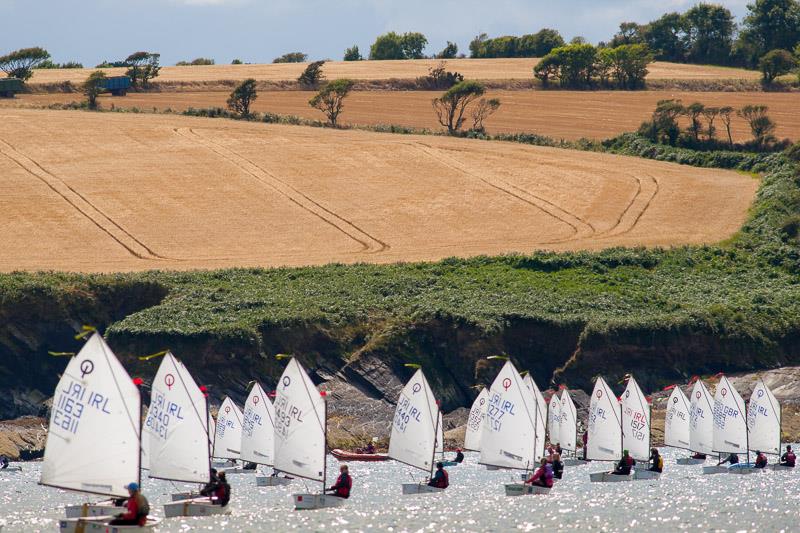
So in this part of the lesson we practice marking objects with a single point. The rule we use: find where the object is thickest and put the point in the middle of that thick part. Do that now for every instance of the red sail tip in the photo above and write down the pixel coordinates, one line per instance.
(669, 387)
(323, 393)
(138, 381)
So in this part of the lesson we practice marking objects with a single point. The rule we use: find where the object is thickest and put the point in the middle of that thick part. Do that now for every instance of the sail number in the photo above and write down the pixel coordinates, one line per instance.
(285, 415)
(497, 409)
(73, 401)
(722, 412)
(405, 414)
(162, 412)
(250, 421)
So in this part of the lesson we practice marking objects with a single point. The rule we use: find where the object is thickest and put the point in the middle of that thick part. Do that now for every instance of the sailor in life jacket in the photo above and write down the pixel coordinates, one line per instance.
(137, 509)
(761, 459)
(222, 491)
(440, 479)
(625, 464)
(656, 461)
(543, 476)
(343, 483)
(788, 458)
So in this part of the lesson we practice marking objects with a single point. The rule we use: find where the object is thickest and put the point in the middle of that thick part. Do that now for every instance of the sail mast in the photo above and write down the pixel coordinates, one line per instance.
(436, 437)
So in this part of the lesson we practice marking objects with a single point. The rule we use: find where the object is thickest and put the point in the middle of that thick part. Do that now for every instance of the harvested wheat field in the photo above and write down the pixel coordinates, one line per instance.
(559, 114)
(120, 192)
(479, 69)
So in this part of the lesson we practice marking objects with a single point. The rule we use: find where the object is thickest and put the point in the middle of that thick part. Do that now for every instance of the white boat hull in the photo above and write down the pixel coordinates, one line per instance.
(646, 475)
(686, 461)
(708, 470)
(303, 502)
(223, 464)
(238, 470)
(419, 488)
(574, 462)
(82, 525)
(608, 477)
(745, 470)
(180, 496)
(194, 507)
(519, 489)
(93, 509)
(780, 467)
(10, 469)
(272, 481)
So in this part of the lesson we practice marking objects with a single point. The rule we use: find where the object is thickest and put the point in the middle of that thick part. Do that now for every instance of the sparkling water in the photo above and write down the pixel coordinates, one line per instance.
(683, 499)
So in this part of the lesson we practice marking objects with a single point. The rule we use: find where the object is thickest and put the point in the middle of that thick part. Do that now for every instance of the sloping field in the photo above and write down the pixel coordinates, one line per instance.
(481, 69)
(106, 192)
(558, 114)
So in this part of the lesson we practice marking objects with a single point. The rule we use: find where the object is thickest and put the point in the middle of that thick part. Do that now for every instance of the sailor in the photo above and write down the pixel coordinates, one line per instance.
(788, 458)
(585, 442)
(250, 466)
(699, 455)
(625, 464)
(222, 491)
(459, 456)
(543, 476)
(761, 459)
(370, 449)
(732, 459)
(558, 448)
(211, 486)
(656, 461)
(3, 462)
(440, 479)
(137, 509)
(558, 466)
(343, 483)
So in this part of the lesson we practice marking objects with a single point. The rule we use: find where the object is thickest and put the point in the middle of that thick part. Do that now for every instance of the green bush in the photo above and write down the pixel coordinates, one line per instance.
(292, 57)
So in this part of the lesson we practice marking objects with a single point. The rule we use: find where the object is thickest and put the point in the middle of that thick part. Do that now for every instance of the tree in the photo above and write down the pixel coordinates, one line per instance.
(242, 97)
(92, 87)
(387, 46)
(413, 44)
(770, 25)
(725, 114)
(236, 62)
(694, 111)
(628, 64)
(629, 33)
(439, 78)
(539, 44)
(449, 52)
(666, 37)
(312, 75)
(20, 63)
(476, 45)
(451, 105)
(483, 110)
(291, 57)
(761, 126)
(710, 114)
(709, 34)
(663, 127)
(200, 61)
(352, 54)
(330, 99)
(547, 69)
(776, 63)
(142, 67)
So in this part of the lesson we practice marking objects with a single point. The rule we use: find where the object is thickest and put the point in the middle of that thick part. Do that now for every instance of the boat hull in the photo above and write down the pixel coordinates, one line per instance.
(343, 455)
(93, 509)
(82, 525)
(744, 469)
(223, 464)
(272, 481)
(419, 488)
(238, 470)
(686, 461)
(194, 507)
(708, 470)
(608, 477)
(307, 502)
(574, 462)
(645, 475)
(10, 469)
(520, 489)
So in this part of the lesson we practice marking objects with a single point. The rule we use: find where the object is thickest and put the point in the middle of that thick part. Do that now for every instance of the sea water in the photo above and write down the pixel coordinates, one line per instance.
(683, 499)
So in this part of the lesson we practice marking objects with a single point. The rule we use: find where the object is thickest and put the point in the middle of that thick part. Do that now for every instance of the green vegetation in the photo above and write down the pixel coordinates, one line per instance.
(583, 66)
(47, 64)
(142, 67)
(448, 52)
(439, 78)
(312, 76)
(352, 54)
(195, 62)
(452, 105)
(776, 63)
(291, 57)
(242, 97)
(20, 63)
(533, 45)
(330, 99)
(92, 88)
(395, 46)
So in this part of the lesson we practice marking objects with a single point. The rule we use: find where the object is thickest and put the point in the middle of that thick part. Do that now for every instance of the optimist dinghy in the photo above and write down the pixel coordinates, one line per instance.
(301, 422)
(415, 431)
(764, 421)
(569, 430)
(701, 427)
(228, 437)
(477, 415)
(730, 424)
(93, 440)
(605, 432)
(676, 425)
(636, 429)
(258, 435)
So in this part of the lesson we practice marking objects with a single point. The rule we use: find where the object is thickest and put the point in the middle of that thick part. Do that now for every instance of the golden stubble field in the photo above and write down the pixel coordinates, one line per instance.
(120, 192)
(558, 114)
(478, 69)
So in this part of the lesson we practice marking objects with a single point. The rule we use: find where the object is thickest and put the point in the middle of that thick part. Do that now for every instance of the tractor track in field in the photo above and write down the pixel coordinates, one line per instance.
(369, 243)
(81, 204)
(636, 208)
(581, 229)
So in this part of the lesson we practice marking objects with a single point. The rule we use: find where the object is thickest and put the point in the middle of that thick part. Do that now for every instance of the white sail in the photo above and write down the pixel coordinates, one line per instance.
(676, 422)
(299, 425)
(554, 420)
(414, 425)
(730, 423)
(258, 430)
(477, 415)
(228, 432)
(177, 425)
(569, 422)
(635, 421)
(701, 420)
(605, 427)
(508, 437)
(440, 435)
(144, 462)
(95, 425)
(540, 418)
(764, 420)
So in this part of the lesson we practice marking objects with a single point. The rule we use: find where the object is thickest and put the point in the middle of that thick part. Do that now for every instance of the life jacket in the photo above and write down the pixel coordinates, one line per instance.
(761, 460)
(790, 458)
(443, 481)
(660, 463)
(223, 493)
(343, 485)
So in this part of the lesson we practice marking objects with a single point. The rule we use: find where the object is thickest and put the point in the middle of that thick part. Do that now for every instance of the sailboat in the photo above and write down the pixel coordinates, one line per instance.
(93, 441)
(258, 435)
(605, 431)
(177, 425)
(301, 421)
(477, 415)
(569, 429)
(701, 426)
(676, 421)
(228, 436)
(730, 424)
(554, 420)
(636, 428)
(415, 430)
(764, 422)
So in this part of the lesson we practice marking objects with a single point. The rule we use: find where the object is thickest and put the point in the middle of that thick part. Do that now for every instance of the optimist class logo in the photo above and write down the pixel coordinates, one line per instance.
(227, 409)
(286, 381)
(599, 394)
(255, 399)
(675, 400)
(169, 379)
(507, 384)
(760, 393)
(416, 388)
(627, 394)
(723, 392)
(483, 401)
(87, 367)
(697, 395)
